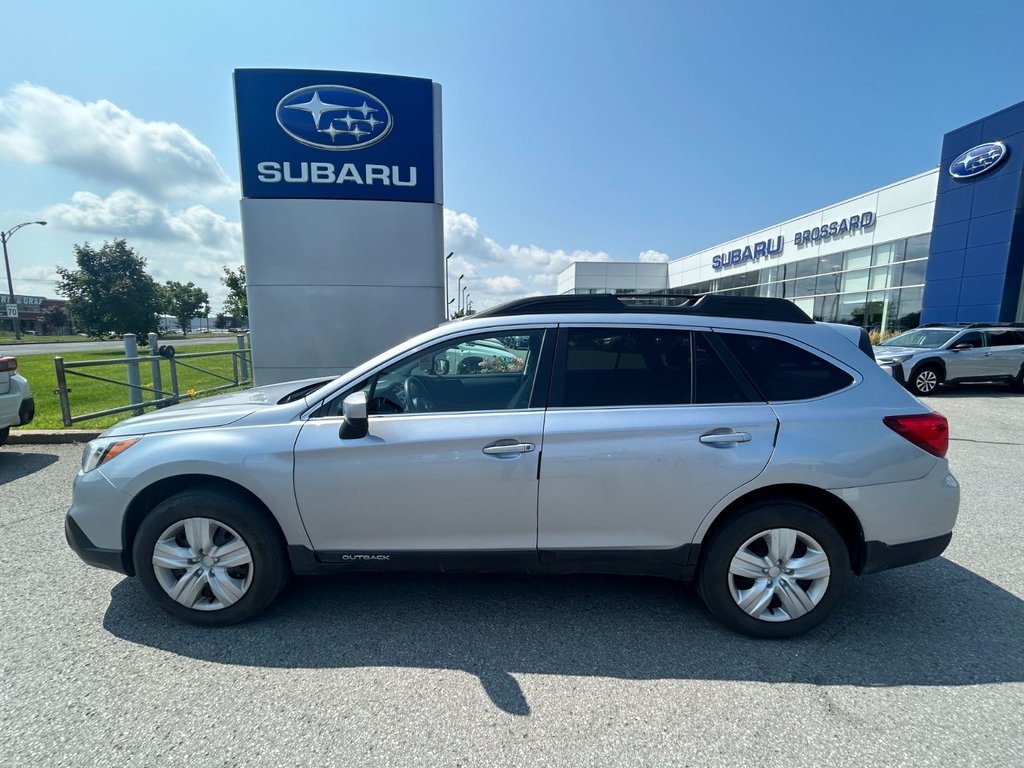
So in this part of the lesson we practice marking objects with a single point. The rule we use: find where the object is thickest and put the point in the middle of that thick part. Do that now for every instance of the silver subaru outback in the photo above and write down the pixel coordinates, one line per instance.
(729, 441)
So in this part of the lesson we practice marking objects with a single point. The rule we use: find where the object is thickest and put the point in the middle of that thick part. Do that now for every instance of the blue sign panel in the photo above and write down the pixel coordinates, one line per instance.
(337, 135)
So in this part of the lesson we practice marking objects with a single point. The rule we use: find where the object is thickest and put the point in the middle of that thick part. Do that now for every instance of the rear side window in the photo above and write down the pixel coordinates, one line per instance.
(626, 366)
(783, 371)
(1005, 338)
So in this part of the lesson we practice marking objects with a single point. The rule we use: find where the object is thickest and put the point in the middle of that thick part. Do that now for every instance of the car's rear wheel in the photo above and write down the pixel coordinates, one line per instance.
(1017, 385)
(775, 570)
(925, 380)
(210, 557)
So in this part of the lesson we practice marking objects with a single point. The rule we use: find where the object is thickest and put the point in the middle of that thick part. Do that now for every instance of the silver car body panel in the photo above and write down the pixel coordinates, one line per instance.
(421, 482)
(608, 478)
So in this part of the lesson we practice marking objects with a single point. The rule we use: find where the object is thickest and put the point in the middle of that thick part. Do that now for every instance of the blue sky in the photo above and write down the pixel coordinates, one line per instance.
(571, 130)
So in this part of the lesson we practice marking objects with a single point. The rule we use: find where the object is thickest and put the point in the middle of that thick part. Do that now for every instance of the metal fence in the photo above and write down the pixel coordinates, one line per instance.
(158, 397)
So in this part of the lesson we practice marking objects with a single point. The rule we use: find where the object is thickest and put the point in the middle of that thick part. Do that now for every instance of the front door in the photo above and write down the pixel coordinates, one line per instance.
(450, 461)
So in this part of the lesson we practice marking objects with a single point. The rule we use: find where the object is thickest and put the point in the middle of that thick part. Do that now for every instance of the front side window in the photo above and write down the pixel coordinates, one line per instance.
(481, 372)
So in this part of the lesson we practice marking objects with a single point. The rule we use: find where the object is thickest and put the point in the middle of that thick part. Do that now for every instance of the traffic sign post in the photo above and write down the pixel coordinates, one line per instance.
(12, 311)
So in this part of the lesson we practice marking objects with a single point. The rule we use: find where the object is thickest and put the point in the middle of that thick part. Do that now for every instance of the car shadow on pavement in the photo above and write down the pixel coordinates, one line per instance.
(935, 623)
(15, 465)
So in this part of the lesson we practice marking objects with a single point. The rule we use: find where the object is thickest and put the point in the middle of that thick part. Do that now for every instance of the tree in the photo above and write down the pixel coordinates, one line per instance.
(185, 301)
(237, 302)
(110, 292)
(55, 318)
(221, 321)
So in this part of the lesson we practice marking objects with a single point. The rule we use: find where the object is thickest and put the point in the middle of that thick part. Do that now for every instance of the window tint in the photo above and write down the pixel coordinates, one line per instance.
(617, 366)
(782, 371)
(973, 338)
(1004, 338)
(712, 381)
(472, 373)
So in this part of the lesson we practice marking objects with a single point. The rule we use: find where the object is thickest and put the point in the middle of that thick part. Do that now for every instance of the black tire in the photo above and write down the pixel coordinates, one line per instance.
(270, 569)
(1017, 385)
(715, 583)
(925, 380)
(5, 432)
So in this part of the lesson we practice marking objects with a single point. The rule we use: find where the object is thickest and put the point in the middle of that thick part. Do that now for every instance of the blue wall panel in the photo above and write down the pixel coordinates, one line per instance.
(984, 260)
(976, 256)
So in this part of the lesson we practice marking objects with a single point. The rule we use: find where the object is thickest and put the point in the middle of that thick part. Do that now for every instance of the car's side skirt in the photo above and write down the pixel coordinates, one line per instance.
(678, 563)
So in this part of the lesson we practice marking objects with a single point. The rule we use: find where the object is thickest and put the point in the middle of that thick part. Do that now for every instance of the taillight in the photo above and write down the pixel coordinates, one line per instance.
(928, 431)
(8, 364)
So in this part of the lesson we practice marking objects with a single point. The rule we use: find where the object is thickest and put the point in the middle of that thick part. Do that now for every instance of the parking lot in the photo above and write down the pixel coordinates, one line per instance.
(919, 666)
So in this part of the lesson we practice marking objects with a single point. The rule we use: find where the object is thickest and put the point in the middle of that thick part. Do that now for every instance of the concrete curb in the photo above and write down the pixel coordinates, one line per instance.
(52, 436)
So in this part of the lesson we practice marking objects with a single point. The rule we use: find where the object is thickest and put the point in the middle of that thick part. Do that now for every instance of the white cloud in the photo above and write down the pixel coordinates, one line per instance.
(103, 141)
(654, 257)
(128, 214)
(477, 256)
(503, 285)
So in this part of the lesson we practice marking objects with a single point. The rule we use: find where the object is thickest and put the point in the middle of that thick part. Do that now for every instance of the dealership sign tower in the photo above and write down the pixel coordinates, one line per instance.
(341, 215)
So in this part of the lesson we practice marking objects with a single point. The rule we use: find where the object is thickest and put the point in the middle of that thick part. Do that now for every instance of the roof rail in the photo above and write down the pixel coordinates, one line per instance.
(748, 307)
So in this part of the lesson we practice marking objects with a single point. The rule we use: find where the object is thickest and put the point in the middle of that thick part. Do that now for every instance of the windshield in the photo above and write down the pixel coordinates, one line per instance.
(922, 339)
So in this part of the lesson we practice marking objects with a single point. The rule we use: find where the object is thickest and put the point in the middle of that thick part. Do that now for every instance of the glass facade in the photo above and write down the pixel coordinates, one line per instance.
(879, 287)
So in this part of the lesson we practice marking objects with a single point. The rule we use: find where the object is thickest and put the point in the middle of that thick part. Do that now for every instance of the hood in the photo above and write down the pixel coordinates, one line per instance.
(881, 352)
(217, 411)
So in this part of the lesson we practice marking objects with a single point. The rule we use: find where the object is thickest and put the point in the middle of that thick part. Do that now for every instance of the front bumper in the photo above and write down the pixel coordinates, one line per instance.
(111, 559)
(896, 371)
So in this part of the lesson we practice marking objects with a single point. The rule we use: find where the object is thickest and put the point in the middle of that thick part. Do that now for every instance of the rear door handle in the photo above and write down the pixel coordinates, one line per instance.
(508, 449)
(724, 438)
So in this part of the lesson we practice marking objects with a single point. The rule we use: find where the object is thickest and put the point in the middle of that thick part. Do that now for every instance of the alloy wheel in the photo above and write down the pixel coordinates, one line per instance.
(926, 381)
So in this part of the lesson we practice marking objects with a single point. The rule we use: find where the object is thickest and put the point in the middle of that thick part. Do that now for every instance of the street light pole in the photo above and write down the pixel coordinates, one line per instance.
(464, 292)
(446, 302)
(459, 294)
(4, 237)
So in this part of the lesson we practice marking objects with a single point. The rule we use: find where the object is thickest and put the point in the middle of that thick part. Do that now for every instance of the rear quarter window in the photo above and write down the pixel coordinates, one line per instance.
(784, 371)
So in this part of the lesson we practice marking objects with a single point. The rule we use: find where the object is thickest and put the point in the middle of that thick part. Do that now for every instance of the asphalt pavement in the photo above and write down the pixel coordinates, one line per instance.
(920, 666)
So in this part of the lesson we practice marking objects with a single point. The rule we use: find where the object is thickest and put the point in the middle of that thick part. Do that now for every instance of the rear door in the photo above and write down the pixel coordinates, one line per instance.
(646, 430)
(1005, 348)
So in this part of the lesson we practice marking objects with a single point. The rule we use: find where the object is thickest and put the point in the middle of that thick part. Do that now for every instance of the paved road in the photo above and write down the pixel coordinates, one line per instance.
(923, 666)
(64, 347)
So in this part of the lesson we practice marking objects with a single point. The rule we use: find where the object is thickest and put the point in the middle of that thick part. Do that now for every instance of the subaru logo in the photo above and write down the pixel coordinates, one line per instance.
(334, 117)
(977, 160)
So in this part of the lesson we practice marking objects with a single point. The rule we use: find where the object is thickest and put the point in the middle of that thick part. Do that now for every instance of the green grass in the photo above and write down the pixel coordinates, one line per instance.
(88, 395)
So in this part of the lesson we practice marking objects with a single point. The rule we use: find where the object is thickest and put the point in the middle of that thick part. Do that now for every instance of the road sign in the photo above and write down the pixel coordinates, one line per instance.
(12, 310)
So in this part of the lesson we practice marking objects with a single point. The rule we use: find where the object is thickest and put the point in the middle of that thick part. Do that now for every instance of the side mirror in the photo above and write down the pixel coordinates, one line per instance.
(441, 366)
(958, 347)
(356, 423)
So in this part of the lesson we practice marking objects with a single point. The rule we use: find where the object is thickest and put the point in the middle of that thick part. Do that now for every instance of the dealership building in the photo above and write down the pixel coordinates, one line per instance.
(946, 245)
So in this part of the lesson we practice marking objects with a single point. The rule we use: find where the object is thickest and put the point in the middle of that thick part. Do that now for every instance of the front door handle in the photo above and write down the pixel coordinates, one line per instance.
(508, 449)
(724, 438)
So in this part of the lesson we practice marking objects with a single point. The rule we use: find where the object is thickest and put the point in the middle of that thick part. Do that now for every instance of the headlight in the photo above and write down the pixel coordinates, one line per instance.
(99, 452)
(893, 359)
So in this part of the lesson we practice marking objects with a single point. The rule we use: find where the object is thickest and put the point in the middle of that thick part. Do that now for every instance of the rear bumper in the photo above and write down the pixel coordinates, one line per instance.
(111, 559)
(879, 556)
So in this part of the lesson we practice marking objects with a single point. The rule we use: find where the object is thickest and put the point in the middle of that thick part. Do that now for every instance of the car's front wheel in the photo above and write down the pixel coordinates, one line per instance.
(925, 380)
(5, 432)
(210, 557)
(775, 570)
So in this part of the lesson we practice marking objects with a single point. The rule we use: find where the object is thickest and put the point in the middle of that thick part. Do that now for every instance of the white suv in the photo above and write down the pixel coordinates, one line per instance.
(17, 407)
(728, 440)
